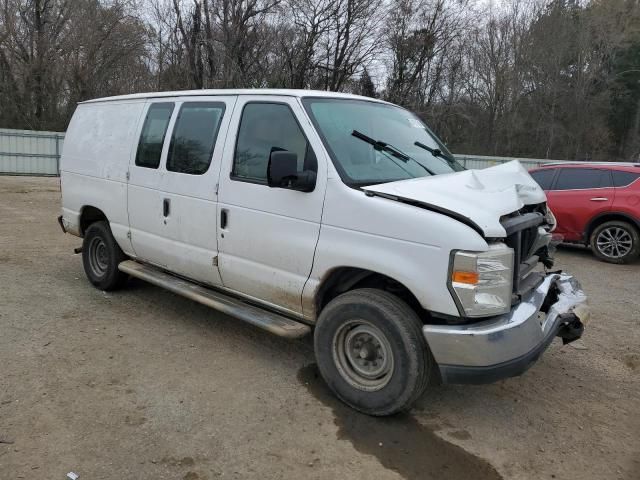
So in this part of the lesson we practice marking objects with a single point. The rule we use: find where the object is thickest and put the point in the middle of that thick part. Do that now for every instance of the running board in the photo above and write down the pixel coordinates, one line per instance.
(265, 319)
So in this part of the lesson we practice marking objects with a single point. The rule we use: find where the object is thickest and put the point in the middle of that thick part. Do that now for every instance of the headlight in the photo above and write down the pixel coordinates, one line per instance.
(550, 218)
(482, 281)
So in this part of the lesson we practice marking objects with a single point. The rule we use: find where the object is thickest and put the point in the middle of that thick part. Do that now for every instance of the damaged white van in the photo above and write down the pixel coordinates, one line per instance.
(300, 211)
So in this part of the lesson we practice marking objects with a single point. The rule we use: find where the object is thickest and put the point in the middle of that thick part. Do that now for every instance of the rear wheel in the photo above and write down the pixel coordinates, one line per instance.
(101, 256)
(371, 352)
(616, 242)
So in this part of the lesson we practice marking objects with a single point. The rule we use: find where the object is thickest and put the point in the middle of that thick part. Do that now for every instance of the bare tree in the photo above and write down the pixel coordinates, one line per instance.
(542, 78)
(303, 24)
(350, 43)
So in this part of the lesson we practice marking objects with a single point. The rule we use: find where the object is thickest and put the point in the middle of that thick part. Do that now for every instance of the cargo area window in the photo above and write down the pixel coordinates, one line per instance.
(623, 179)
(194, 137)
(153, 133)
(264, 128)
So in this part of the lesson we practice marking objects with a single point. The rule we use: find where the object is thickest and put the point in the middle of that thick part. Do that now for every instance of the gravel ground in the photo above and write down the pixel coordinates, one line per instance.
(143, 384)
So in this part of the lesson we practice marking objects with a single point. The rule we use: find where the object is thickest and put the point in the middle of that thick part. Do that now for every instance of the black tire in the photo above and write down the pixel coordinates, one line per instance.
(384, 315)
(101, 256)
(625, 250)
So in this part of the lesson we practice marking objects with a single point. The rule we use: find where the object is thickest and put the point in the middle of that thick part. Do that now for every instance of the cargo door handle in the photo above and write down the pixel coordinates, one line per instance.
(599, 199)
(224, 218)
(166, 207)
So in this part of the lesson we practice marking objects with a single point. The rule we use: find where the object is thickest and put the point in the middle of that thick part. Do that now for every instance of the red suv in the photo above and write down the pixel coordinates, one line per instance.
(597, 204)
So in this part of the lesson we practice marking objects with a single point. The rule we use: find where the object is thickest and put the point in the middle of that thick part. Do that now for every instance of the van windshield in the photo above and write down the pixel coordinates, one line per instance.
(364, 138)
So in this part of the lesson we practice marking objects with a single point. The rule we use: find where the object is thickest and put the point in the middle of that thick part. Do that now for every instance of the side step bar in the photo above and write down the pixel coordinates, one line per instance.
(267, 320)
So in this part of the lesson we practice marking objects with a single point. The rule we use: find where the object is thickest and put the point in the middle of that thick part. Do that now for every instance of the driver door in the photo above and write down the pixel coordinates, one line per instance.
(267, 236)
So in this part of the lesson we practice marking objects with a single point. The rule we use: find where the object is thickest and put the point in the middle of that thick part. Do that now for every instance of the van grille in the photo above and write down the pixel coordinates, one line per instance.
(522, 234)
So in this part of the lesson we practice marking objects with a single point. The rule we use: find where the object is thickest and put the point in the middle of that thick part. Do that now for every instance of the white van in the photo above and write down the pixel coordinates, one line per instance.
(302, 210)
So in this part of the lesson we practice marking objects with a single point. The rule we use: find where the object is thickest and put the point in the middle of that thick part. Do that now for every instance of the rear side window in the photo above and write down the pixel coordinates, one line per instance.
(624, 179)
(265, 128)
(194, 137)
(582, 178)
(544, 177)
(153, 133)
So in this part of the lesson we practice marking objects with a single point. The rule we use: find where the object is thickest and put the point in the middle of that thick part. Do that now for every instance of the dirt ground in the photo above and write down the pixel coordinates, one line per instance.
(143, 384)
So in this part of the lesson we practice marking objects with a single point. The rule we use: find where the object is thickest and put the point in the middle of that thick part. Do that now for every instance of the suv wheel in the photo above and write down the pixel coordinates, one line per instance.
(101, 256)
(616, 242)
(371, 352)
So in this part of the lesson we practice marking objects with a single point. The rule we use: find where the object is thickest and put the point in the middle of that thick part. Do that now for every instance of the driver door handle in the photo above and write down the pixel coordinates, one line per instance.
(599, 199)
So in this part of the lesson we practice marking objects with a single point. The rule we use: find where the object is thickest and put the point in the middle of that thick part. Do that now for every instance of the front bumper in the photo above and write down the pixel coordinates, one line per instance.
(507, 345)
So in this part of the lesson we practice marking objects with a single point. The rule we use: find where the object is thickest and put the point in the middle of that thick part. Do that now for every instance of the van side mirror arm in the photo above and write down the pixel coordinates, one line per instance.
(305, 181)
(282, 172)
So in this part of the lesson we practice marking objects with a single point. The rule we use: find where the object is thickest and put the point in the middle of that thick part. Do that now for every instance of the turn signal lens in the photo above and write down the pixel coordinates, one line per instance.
(470, 278)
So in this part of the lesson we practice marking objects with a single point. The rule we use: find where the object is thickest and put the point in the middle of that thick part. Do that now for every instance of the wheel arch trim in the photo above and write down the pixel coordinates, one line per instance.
(606, 217)
(89, 214)
(316, 297)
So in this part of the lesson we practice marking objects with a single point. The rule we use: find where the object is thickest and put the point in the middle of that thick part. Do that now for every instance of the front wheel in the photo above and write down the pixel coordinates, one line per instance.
(616, 242)
(101, 256)
(371, 352)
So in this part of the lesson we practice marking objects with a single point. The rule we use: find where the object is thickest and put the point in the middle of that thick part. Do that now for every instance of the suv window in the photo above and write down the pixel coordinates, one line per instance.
(623, 179)
(194, 137)
(544, 177)
(153, 133)
(264, 128)
(582, 178)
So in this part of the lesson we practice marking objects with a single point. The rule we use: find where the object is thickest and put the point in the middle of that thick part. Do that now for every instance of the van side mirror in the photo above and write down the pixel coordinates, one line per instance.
(282, 172)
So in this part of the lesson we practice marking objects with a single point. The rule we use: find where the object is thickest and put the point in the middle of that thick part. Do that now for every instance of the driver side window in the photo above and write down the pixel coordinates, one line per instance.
(265, 128)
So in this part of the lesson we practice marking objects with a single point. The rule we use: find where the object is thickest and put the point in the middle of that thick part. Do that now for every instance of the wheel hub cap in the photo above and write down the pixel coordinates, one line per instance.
(614, 242)
(98, 257)
(363, 355)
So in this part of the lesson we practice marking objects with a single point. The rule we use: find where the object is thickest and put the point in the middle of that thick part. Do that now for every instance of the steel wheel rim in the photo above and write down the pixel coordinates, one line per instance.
(614, 242)
(363, 355)
(98, 257)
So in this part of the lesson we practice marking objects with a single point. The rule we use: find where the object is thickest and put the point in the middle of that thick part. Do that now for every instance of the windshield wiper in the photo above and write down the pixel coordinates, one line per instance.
(436, 152)
(390, 149)
(383, 146)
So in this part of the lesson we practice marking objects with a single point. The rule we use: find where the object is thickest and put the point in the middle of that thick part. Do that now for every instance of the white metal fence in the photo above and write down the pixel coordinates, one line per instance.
(27, 152)
(480, 161)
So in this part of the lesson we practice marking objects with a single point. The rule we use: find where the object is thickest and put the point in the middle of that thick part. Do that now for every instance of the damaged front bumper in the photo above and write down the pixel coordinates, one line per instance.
(507, 345)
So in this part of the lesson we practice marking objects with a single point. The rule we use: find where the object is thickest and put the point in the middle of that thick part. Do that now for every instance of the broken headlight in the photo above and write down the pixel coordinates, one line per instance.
(482, 282)
(550, 220)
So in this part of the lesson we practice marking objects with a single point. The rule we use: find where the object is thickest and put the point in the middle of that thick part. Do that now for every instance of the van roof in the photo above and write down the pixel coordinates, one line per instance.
(241, 91)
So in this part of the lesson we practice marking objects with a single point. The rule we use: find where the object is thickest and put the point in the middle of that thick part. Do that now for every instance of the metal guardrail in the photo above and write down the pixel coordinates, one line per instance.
(483, 161)
(28, 152)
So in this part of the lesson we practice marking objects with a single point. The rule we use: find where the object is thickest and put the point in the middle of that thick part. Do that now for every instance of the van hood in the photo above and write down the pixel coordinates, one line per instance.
(477, 197)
